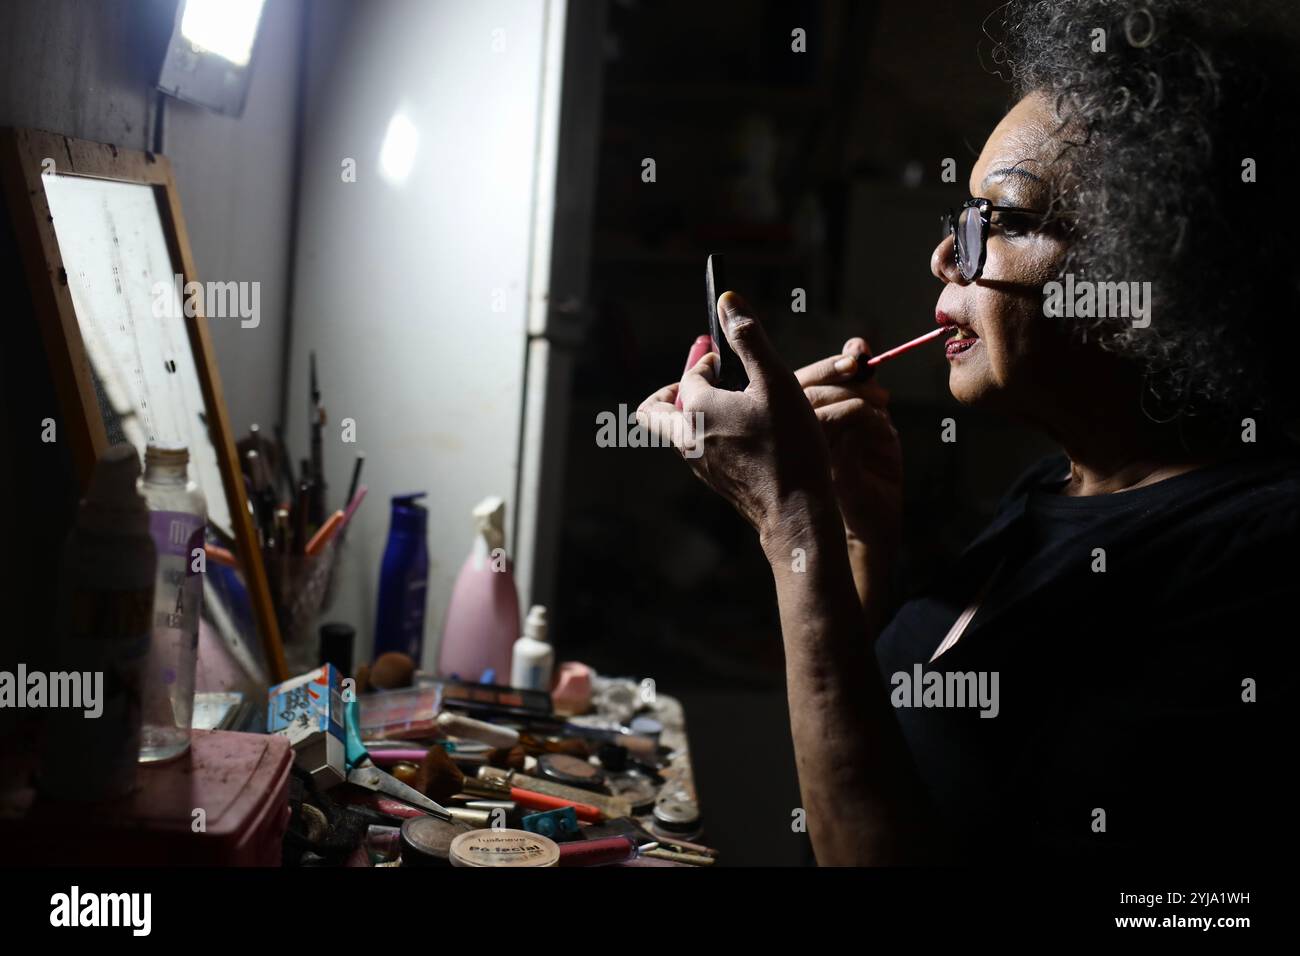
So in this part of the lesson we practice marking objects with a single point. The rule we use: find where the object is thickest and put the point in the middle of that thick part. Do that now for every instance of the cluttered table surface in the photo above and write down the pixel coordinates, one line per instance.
(445, 772)
(437, 773)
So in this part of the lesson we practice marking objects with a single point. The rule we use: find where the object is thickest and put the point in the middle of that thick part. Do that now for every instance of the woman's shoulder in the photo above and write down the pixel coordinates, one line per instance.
(1263, 484)
(1263, 491)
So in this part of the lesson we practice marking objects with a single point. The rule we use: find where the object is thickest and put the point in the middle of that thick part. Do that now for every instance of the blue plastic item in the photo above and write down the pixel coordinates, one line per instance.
(558, 825)
(404, 580)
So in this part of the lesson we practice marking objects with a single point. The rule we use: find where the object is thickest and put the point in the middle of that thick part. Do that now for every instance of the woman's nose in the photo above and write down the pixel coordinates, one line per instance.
(943, 262)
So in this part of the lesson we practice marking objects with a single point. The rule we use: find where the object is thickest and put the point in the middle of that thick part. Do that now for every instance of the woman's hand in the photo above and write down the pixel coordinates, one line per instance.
(764, 451)
(762, 448)
(866, 461)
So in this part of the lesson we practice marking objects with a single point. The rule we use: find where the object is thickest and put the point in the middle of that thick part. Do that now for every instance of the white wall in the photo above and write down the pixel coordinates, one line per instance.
(235, 178)
(81, 69)
(395, 283)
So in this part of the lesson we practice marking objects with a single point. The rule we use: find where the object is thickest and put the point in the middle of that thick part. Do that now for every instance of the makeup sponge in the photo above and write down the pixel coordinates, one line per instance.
(392, 670)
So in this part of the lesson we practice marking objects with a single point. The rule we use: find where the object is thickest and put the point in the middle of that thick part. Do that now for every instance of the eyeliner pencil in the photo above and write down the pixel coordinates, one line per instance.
(356, 477)
(316, 515)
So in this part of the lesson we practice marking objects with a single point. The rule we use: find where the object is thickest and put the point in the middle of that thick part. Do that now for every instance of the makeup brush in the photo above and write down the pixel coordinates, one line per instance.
(867, 369)
(437, 776)
(439, 779)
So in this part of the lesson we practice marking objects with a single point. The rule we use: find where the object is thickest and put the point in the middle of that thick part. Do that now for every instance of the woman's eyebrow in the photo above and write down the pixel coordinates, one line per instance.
(1000, 174)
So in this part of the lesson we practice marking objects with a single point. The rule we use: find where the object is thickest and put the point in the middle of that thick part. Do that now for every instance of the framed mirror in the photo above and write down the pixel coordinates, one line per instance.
(108, 259)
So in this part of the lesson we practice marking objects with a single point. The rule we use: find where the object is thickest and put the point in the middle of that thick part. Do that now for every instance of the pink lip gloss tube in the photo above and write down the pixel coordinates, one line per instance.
(701, 347)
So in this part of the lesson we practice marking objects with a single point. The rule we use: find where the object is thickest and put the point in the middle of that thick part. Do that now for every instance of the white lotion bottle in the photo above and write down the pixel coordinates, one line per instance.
(534, 658)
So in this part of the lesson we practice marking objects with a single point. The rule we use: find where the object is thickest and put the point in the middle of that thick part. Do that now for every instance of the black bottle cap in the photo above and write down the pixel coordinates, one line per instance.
(612, 757)
(336, 643)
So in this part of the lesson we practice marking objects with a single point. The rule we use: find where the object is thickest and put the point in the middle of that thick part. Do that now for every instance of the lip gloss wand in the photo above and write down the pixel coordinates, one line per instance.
(868, 368)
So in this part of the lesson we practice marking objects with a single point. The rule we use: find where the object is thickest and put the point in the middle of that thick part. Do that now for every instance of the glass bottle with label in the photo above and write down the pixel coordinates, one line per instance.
(177, 518)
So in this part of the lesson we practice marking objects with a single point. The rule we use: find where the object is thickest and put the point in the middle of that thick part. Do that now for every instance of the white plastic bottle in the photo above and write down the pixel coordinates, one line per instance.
(534, 658)
(106, 594)
(177, 518)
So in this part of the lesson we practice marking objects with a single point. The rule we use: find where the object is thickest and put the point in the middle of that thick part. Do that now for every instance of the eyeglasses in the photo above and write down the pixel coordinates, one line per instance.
(969, 227)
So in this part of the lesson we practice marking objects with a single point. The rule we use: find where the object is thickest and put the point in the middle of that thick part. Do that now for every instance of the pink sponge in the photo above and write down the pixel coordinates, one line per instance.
(572, 691)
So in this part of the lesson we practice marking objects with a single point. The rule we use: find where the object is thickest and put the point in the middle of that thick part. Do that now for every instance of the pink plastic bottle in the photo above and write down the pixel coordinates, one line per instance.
(482, 620)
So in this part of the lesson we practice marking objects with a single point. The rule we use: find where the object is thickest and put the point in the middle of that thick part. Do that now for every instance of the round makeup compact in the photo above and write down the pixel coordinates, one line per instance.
(508, 848)
(572, 771)
(426, 841)
(676, 817)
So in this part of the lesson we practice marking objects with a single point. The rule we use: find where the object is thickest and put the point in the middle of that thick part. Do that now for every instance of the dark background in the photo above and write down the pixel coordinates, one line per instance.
(657, 577)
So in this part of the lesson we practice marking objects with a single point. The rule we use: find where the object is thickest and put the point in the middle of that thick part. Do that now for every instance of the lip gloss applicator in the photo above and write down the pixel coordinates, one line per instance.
(867, 369)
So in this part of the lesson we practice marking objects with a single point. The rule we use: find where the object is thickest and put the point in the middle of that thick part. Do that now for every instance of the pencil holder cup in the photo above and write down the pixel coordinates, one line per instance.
(299, 584)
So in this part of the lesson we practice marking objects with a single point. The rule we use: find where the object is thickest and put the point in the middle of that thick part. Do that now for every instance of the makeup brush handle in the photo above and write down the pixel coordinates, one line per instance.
(540, 801)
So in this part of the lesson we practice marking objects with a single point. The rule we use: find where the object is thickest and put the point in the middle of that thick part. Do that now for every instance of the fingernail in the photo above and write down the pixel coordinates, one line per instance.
(845, 364)
(732, 303)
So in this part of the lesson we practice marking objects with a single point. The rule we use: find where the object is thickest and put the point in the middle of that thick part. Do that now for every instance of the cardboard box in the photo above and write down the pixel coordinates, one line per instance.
(308, 710)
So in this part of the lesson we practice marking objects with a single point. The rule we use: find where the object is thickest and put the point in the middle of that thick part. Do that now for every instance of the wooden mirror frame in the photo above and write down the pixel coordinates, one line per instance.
(23, 155)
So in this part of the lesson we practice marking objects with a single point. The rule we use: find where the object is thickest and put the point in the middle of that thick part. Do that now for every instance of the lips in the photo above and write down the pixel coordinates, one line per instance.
(965, 338)
(957, 346)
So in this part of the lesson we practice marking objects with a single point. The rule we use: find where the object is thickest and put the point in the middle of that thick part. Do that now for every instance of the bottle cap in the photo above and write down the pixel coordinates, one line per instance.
(535, 625)
(166, 454)
(490, 521)
(408, 516)
(336, 642)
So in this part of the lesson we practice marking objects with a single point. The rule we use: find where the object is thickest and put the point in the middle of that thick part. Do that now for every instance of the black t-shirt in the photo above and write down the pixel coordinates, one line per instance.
(1120, 729)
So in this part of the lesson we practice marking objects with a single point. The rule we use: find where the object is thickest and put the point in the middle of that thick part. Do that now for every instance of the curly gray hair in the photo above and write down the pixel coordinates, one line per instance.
(1160, 127)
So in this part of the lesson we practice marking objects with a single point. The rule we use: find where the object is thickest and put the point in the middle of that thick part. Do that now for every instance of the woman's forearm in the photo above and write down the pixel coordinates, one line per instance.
(863, 801)
(872, 574)
(860, 565)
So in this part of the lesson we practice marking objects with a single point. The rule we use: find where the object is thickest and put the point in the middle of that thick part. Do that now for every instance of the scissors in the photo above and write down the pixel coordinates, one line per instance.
(363, 772)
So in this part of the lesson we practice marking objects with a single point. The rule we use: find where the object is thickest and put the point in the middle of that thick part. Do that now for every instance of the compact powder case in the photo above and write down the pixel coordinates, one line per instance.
(426, 841)
(572, 771)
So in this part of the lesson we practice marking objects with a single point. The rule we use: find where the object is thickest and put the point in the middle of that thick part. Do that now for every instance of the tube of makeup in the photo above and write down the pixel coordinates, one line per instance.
(701, 347)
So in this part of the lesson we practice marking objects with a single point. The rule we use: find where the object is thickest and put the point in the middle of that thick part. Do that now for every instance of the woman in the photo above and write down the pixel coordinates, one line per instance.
(1103, 648)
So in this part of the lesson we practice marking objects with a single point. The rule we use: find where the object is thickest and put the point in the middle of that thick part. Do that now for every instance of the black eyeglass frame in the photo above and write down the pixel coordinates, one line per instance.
(986, 209)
